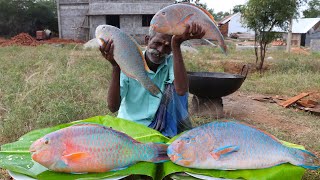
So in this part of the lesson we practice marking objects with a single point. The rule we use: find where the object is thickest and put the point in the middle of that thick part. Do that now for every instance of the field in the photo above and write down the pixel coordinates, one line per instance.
(47, 85)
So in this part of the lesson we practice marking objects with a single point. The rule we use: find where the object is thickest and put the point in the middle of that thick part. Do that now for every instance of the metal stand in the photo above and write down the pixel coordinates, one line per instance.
(206, 107)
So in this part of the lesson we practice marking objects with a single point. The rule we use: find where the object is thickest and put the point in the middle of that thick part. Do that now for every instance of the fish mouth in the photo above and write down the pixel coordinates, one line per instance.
(153, 26)
(32, 150)
(172, 155)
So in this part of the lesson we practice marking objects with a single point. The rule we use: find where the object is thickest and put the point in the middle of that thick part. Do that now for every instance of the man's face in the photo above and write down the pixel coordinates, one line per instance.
(159, 46)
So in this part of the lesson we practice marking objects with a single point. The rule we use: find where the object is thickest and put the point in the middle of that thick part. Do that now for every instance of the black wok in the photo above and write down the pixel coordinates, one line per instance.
(214, 84)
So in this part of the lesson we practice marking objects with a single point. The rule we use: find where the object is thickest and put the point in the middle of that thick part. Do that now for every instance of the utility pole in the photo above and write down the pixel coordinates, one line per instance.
(289, 37)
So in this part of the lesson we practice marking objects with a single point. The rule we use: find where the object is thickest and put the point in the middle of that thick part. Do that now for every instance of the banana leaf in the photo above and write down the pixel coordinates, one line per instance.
(16, 157)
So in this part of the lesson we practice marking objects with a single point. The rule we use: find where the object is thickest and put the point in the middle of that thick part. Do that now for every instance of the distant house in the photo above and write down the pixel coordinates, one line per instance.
(78, 19)
(232, 24)
(303, 30)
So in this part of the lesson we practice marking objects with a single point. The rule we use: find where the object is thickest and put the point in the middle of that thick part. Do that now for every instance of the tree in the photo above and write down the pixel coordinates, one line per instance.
(313, 10)
(238, 8)
(18, 16)
(220, 15)
(262, 16)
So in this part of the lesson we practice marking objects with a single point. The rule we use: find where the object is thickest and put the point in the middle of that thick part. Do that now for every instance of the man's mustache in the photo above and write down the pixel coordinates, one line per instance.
(156, 53)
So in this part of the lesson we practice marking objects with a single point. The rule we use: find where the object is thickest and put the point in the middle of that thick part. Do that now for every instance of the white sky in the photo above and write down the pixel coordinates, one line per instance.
(227, 5)
(222, 5)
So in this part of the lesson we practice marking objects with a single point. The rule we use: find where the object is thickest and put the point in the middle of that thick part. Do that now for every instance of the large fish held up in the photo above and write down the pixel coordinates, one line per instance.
(87, 148)
(231, 146)
(128, 56)
(174, 18)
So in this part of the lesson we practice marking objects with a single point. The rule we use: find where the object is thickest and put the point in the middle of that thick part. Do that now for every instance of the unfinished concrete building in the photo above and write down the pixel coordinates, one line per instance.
(78, 19)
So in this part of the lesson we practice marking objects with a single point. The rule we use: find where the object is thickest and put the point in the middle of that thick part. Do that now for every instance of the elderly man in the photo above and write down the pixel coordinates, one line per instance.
(169, 113)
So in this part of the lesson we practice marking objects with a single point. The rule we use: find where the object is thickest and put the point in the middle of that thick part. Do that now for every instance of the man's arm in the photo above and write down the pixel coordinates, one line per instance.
(114, 89)
(181, 82)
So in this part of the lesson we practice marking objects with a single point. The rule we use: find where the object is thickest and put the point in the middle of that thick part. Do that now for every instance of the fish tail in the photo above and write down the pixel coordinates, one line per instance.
(159, 151)
(151, 87)
(216, 35)
(305, 159)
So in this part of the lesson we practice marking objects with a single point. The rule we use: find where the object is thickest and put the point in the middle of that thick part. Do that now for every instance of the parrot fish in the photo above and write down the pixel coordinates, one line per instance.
(174, 18)
(232, 146)
(128, 55)
(85, 148)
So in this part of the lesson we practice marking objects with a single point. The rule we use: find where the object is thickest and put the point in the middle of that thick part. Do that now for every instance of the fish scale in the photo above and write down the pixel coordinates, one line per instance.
(93, 148)
(232, 145)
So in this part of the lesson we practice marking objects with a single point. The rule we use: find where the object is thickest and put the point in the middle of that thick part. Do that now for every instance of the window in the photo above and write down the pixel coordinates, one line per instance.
(113, 20)
(146, 20)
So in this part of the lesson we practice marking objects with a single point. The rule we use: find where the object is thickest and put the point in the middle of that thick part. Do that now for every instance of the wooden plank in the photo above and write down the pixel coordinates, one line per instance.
(292, 100)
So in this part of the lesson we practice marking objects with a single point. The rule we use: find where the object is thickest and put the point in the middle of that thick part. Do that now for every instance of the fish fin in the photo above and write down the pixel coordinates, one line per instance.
(160, 150)
(151, 87)
(264, 132)
(185, 19)
(305, 159)
(140, 52)
(74, 157)
(217, 153)
(119, 169)
(202, 9)
(61, 164)
(91, 124)
(104, 127)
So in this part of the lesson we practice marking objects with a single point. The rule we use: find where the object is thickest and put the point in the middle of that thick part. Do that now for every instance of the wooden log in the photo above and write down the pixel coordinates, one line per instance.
(292, 100)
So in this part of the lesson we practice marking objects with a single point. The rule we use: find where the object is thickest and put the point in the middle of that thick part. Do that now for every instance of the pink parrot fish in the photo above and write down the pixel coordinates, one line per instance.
(128, 56)
(233, 145)
(86, 148)
(174, 18)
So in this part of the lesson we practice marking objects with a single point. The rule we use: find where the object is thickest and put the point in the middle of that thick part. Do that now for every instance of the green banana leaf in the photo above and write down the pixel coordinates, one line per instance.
(15, 157)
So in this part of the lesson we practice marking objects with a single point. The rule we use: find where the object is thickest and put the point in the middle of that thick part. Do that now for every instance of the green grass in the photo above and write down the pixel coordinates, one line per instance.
(46, 85)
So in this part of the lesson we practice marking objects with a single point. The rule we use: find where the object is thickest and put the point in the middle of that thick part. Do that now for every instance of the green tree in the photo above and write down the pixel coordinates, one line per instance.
(18, 16)
(313, 10)
(238, 8)
(262, 16)
(220, 15)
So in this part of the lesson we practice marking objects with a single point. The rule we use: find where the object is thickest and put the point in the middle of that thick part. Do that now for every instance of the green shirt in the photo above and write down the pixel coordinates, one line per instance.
(137, 103)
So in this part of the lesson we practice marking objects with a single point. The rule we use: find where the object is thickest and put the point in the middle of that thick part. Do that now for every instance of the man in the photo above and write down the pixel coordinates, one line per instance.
(167, 114)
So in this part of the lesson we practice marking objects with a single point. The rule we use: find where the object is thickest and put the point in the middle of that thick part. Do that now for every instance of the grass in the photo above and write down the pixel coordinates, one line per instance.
(48, 85)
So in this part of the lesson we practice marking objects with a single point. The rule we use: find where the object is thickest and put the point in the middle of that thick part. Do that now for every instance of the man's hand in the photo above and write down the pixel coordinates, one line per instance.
(107, 51)
(194, 31)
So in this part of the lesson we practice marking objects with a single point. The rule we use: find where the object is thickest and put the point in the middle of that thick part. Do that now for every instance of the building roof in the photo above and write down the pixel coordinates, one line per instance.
(301, 26)
(227, 18)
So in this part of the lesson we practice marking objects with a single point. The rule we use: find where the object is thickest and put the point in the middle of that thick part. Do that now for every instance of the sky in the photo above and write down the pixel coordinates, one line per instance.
(222, 5)
(227, 5)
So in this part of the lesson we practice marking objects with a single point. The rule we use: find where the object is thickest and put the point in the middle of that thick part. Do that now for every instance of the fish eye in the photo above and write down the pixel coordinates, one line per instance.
(46, 141)
(163, 13)
(188, 140)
